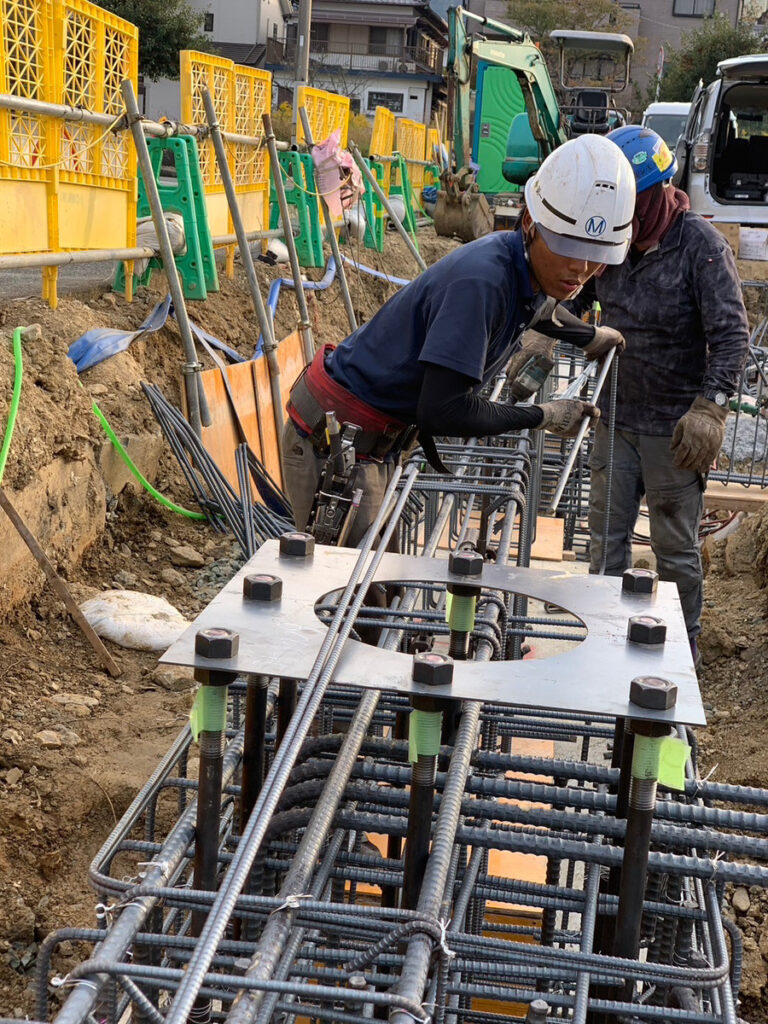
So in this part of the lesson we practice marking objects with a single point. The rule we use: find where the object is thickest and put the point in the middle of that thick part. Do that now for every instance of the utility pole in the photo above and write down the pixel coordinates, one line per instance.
(302, 60)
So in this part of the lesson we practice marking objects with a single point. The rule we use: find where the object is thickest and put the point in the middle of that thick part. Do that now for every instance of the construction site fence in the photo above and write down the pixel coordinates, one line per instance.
(241, 96)
(66, 185)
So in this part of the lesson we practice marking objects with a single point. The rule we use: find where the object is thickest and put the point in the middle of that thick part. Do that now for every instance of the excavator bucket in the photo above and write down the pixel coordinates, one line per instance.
(466, 216)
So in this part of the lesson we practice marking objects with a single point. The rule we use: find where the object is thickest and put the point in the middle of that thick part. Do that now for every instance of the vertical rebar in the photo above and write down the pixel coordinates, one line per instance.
(192, 383)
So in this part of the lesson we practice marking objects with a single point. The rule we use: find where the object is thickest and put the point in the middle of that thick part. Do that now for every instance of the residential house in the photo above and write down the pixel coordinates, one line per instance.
(238, 30)
(388, 53)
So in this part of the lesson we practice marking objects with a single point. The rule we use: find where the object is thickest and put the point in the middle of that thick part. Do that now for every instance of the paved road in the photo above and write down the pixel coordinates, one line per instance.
(16, 284)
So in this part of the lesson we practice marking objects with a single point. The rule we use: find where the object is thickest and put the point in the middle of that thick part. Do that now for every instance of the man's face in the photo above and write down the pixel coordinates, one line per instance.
(559, 276)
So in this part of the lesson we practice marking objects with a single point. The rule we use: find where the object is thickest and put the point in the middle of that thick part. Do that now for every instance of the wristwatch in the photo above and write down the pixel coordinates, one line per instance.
(718, 397)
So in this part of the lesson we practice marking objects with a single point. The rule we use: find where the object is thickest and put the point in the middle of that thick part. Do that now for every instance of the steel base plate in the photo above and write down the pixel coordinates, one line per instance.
(283, 638)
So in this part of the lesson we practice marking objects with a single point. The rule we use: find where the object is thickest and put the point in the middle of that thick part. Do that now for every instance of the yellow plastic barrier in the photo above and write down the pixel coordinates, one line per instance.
(433, 146)
(326, 112)
(383, 134)
(65, 185)
(240, 96)
(411, 143)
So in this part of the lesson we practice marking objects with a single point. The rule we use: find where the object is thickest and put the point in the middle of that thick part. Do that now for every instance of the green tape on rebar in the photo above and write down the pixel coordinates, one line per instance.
(672, 760)
(424, 728)
(461, 613)
(646, 757)
(209, 711)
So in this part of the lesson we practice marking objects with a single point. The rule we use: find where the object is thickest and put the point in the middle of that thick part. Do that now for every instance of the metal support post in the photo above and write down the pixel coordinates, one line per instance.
(303, 32)
(423, 747)
(331, 233)
(199, 415)
(286, 705)
(209, 723)
(254, 744)
(462, 601)
(246, 258)
(383, 198)
(290, 242)
(634, 868)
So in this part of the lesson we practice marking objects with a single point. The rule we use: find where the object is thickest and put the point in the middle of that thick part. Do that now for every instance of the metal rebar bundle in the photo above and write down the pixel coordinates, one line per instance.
(273, 883)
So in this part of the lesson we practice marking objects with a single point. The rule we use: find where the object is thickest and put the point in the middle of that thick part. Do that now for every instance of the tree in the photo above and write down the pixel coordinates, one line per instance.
(540, 17)
(700, 52)
(165, 27)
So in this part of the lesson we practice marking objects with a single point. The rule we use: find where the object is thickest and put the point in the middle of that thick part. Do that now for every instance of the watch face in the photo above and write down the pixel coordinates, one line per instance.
(720, 398)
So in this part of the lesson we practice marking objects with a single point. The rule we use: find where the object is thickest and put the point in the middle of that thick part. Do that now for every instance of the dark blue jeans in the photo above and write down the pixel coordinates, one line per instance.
(642, 465)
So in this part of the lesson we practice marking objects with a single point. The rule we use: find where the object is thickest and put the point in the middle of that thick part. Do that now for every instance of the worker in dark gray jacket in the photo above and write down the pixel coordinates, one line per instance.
(677, 300)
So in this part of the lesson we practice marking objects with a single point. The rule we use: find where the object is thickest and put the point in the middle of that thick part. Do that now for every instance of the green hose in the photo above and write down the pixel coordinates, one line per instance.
(14, 400)
(137, 472)
(18, 364)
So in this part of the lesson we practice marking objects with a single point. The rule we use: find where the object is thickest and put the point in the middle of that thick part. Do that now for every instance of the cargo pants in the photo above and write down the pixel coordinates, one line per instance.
(643, 465)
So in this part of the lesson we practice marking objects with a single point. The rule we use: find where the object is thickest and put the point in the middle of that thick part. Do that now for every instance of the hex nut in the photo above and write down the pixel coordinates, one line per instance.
(653, 693)
(646, 630)
(297, 545)
(639, 581)
(217, 643)
(262, 586)
(357, 980)
(465, 562)
(432, 669)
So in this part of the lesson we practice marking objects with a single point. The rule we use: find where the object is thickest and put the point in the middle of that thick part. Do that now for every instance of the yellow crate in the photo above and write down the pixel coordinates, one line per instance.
(411, 139)
(383, 134)
(240, 96)
(326, 112)
(433, 146)
(65, 185)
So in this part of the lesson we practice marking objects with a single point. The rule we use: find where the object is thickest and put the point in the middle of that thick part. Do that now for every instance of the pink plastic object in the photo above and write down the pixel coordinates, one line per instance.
(337, 176)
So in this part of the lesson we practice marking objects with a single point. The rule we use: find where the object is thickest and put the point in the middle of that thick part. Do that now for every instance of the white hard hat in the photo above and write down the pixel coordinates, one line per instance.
(582, 200)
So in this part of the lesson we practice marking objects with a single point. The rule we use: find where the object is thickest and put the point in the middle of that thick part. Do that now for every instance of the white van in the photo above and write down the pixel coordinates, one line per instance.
(723, 153)
(667, 120)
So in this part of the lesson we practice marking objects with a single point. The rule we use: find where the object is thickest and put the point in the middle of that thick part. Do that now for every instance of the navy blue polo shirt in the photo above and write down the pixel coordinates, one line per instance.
(466, 313)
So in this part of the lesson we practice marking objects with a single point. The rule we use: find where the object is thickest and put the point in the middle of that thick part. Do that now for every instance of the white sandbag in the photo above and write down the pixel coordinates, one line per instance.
(147, 236)
(141, 622)
(398, 207)
(278, 250)
(356, 222)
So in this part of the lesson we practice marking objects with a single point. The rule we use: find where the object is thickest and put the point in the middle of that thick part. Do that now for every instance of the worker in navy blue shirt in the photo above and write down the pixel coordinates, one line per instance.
(422, 359)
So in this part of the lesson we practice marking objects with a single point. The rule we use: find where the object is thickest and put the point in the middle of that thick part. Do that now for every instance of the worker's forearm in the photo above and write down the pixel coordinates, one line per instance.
(566, 327)
(448, 407)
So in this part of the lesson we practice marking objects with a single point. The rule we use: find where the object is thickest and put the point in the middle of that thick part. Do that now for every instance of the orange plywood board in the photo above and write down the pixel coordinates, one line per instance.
(249, 384)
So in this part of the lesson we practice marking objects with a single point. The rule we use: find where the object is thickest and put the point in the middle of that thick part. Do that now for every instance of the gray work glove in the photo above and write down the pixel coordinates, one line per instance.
(564, 416)
(698, 436)
(604, 340)
(533, 344)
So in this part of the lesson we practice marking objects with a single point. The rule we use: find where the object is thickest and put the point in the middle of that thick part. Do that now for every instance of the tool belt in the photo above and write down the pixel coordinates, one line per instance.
(315, 393)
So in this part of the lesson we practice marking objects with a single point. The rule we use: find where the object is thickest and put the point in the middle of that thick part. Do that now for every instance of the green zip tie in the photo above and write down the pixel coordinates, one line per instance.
(424, 728)
(662, 758)
(16, 395)
(209, 711)
(461, 612)
(672, 761)
(646, 756)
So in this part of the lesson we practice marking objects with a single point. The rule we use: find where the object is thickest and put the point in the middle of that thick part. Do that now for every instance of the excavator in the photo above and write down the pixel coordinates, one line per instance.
(504, 117)
(503, 120)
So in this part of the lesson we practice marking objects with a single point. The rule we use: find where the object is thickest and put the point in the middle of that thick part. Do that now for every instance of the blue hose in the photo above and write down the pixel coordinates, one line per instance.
(320, 286)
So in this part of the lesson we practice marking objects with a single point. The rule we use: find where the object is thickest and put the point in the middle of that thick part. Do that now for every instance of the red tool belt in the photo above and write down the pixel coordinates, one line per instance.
(315, 393)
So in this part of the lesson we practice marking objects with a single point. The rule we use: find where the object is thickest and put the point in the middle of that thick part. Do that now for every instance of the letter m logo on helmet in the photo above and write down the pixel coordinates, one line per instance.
(595, 226)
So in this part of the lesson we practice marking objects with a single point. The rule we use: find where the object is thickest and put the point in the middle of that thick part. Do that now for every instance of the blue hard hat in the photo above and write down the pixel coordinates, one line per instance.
(650, 156)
